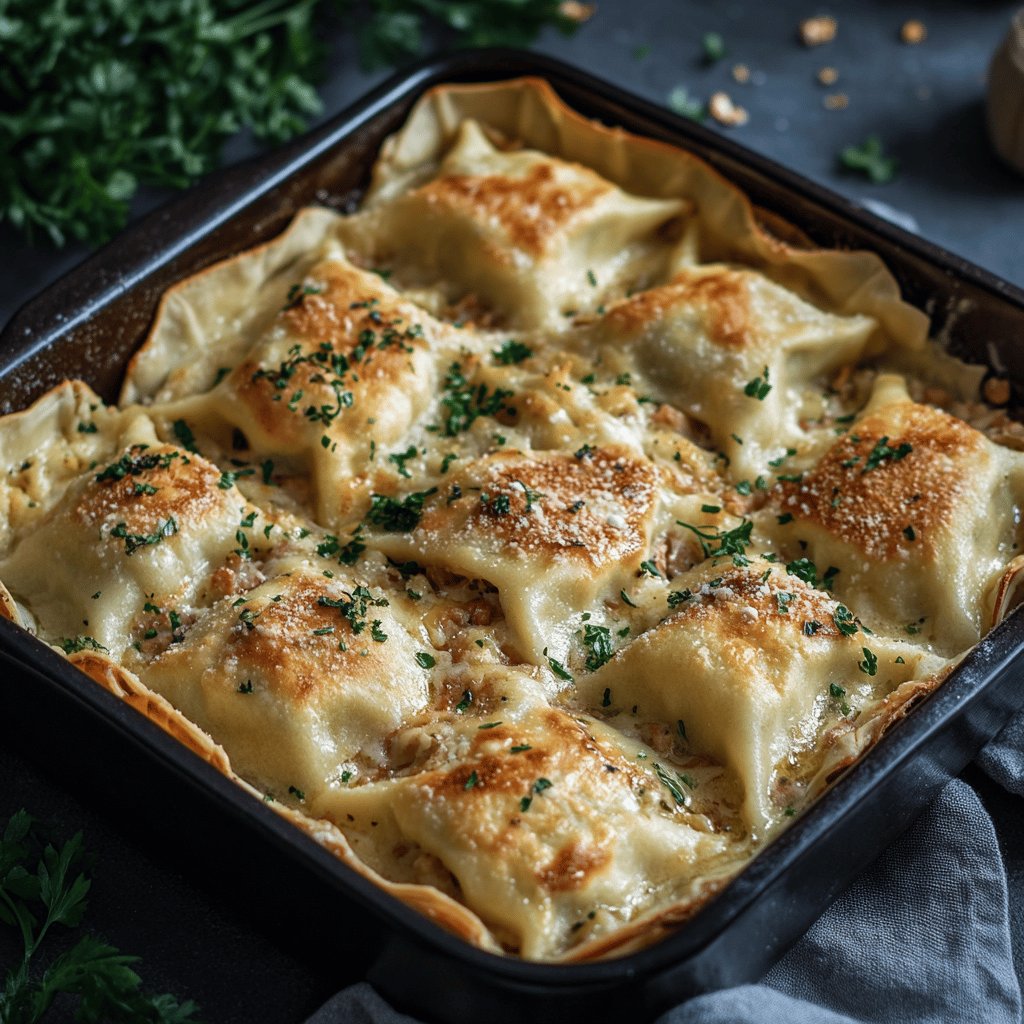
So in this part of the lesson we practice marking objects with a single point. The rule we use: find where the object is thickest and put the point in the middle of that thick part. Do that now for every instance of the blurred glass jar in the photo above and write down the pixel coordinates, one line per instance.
(1006, 96)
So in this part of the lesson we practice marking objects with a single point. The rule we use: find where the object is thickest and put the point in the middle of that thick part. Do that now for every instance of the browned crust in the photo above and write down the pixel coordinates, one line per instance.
(721, 295)
(882, 505)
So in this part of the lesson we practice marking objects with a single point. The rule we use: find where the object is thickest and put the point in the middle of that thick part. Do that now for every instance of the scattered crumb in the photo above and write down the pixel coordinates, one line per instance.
(815, 31)
(913, 32)
(575, 11)
(724, 111)
(996, 391)
(741, 73)
(828, 75)
(836, 101)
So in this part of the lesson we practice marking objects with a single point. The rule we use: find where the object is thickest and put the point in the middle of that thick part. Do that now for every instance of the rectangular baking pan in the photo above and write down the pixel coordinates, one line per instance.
(88, 324)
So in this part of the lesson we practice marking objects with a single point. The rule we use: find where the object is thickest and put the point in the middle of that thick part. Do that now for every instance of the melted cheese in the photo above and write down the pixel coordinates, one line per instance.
(300, 679)
(744, 663)
(734, 351)
(528, 237)
(920, 513)
(550, 531)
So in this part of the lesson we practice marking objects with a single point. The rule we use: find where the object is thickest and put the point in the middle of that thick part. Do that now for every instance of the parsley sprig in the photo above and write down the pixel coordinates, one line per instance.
(102, 96)
(870, 160)
(42, 887)
(726, 542)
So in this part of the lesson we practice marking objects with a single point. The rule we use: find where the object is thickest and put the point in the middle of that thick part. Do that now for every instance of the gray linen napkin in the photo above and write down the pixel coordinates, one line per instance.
(922, 937)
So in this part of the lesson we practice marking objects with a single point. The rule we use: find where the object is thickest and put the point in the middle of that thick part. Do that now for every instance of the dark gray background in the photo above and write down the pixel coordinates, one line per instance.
(925, 102)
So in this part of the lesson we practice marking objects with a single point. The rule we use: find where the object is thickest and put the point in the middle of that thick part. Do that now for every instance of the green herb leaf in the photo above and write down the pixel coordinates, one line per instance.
(393, 516)
(725, 542)
(682, 103)
(511, 352)
(103, 97)
(869, 159)
(598, 644)
(759, 387)
(713, 46)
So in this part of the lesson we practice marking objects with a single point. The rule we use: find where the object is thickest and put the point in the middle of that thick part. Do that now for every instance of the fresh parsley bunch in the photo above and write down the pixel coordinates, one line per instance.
(98, 96)
(40, 887)
(393, 31)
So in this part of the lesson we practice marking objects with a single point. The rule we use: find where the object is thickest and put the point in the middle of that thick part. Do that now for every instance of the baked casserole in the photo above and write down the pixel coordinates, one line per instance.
(541, 537)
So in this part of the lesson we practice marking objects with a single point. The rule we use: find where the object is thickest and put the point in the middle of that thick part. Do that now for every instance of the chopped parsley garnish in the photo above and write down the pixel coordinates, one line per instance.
(327, 414)
(135, 463)
(908, 532)
(397, 516)
(870, 663)
(354, 608)
(711, 509)
(673, 784)
(838, 693)
(758, 387)
(678, 597)
(87, 428)
(511, 352)
(80, 643)
(425, 660)
(844, 620)
(585, 452)
(598, 643)
(297, 294)
(245, 687)
(520, 748)
(489, 725)
(447, 461)
(606, 697)
(648, 568)
(883, 452)
(134, 541)
(625, 598)
(401, 458)
(267, 469)
(471, 781)
(297, 793)
(729, 542)
(784, 599)
(463, 705)
(183, 432)
(323, 631)
(681, 728)
(804, 569)
(786, 517)
(347, 554)
(464, 403)
(811, 626)
(558, 668)
(227, 479)
(775, 463)
(499, 505)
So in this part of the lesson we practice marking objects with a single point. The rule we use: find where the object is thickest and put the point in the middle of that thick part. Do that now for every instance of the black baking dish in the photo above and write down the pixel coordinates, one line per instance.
(88, 324)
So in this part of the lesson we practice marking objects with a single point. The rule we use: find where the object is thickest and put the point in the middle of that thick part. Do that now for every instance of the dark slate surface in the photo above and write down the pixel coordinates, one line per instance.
(925, 102)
